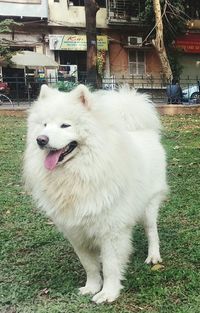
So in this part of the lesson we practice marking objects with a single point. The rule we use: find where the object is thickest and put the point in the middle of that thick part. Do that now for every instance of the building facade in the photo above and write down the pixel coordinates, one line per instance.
(126, 54)
(57, 28)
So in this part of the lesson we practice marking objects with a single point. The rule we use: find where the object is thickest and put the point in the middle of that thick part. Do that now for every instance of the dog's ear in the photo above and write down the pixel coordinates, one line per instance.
(82, 93)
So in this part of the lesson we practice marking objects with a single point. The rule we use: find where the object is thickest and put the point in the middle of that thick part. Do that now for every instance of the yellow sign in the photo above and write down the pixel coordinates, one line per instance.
(102, 43)
(75, 42)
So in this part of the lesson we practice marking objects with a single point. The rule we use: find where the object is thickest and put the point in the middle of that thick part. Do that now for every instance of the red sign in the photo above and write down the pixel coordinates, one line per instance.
(189, 43)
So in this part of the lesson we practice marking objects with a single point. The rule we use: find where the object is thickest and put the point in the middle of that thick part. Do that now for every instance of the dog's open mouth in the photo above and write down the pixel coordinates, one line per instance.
(56, 156)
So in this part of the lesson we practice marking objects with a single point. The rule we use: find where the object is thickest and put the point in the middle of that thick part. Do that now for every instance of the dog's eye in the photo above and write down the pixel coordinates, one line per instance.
(65, 125)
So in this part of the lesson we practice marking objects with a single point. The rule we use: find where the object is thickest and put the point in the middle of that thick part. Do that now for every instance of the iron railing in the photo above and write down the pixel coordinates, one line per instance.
(21, 90)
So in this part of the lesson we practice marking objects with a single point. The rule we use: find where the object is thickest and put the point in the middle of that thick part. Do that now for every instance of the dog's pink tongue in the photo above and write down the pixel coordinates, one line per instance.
(52, 159)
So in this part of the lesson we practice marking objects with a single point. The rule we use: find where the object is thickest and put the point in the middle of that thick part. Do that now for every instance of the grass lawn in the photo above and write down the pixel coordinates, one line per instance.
(39, 271)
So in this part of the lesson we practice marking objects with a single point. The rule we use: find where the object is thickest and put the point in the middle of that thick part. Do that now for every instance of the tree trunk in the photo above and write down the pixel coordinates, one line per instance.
(158, 42)
(91, 8)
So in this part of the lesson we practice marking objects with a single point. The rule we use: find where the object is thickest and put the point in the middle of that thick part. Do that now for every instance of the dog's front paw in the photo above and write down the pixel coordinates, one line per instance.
(106, 296)
(90, 288)
(154, 259)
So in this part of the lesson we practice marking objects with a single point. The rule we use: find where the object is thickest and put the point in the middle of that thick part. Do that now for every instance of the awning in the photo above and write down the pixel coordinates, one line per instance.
(32, 59)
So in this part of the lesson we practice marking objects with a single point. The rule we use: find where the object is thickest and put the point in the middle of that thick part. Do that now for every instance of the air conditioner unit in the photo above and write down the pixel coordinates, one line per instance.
(134, 41)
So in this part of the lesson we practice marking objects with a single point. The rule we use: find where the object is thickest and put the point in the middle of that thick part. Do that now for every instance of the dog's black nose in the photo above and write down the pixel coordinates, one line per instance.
(42, 140)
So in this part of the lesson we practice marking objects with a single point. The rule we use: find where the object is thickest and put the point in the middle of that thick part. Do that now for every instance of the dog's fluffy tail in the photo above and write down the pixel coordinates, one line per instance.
(136, 110)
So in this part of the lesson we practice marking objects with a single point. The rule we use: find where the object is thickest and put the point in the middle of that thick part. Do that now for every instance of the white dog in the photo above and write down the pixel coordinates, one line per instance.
(94, 163)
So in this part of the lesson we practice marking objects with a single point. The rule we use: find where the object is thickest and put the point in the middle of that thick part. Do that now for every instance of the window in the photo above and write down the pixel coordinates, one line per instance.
(101, 3)
(78, 3)
(136, 62)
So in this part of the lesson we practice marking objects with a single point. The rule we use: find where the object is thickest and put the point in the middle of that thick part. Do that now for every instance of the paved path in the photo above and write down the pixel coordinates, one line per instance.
(23, 106)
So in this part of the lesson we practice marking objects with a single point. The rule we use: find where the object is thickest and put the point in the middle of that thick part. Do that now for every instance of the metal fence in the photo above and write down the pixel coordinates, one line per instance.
(156, 87)
(22, 90)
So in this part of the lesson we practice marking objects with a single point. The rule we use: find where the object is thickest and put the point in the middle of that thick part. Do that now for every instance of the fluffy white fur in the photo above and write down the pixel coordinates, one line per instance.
(115, 177)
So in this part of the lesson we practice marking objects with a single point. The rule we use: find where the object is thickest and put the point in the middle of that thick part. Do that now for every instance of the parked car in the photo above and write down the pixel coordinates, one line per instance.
(191, 93)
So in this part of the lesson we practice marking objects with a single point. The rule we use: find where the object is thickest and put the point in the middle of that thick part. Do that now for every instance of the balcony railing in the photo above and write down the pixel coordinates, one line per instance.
(123, 11)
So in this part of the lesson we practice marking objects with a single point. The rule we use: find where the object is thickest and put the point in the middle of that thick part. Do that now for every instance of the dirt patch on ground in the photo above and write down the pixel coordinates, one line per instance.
(174, 109)
(18, 113)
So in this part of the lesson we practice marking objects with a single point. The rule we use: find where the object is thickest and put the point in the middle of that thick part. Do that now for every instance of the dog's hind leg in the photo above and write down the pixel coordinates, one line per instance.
(91, 263)
(114, 254)
(150, 224)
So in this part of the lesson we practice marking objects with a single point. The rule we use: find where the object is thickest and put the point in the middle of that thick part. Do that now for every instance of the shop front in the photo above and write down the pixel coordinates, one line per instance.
(189, 57)
(71, 53)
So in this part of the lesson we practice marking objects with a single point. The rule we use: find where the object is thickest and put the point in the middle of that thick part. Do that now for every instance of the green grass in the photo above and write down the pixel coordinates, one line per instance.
(39, 271)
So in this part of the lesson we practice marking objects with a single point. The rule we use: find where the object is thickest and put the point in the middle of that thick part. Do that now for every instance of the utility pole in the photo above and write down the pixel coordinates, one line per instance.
(91, 9)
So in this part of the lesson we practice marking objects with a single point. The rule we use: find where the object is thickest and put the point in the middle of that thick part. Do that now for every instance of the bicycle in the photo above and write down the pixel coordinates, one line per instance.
(5, 99)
